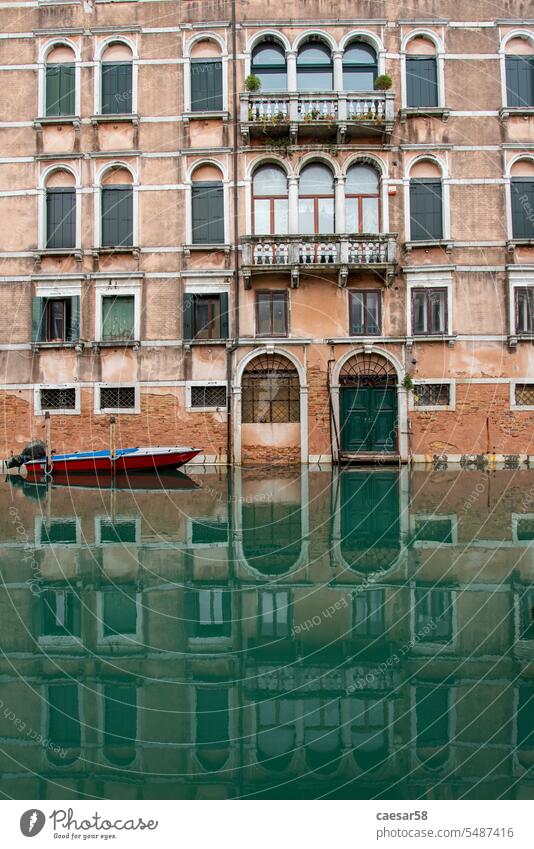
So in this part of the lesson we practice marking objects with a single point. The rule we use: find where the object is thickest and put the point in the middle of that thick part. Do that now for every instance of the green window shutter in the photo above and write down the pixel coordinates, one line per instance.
(520, 81)
(206, 85)
(225, 318)
(52, 90)
(189, 307)
(116, 88)
(421, 81)
(117, 216)
(208, 213)
(426, 222)
(67, 86)
(74, 333)
(60, 218)
(38, 305)
(522, 191)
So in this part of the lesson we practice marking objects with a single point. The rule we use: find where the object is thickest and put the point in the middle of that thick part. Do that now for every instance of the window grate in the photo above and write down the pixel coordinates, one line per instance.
(524, 394)
(58, 399)
(117, 398)
(208, 396)
(432, 395)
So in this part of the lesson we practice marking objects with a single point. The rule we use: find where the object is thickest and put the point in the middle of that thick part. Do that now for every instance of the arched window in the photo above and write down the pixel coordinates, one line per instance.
(120, 723)
(269, 65)
(206, 77)
(369, 732)
(426, 202)
(316, 199)
(207, 201)
(272, 536)
(276, 738)
(432, 725)
(522, 199)
(270, 201)
(270, 391)
(117, 208)
(519, 73)
(362, 200)
(322, 734)
(60, 82)
(360, 67)
(314, 68)
(116, 80)
(60, 210)
(421, 74)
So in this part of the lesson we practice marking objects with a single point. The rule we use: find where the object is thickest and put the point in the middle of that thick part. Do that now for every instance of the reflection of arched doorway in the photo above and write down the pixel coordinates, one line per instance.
(370, 520)
(368, 405)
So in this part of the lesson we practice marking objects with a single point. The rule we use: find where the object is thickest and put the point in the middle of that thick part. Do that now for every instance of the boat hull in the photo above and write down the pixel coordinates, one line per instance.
(126, 460)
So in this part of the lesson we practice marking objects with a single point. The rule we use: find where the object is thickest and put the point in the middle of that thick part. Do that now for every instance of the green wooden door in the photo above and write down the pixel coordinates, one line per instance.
(368, 419)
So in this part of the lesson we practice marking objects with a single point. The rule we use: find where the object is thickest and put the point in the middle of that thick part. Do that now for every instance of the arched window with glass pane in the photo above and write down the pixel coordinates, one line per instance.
(362, 200)
(270, 201)
(360, 67)
(269, 65)
(314, 68)
(316, 200)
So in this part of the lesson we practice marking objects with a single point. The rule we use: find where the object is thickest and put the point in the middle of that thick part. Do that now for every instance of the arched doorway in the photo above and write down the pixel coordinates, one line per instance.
(368, 415)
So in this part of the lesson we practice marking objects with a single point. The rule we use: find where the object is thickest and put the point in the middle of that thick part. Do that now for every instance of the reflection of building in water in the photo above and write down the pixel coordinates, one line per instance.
(353, 633)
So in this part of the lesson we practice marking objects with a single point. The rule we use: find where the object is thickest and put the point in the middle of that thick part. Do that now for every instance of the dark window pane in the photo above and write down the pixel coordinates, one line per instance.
(426, 219)
(116, 88)
(117, 216)
(120, 611)
(208, 213)
(522, 208)
(60, 218)
(60, 90)
(60, 612)
(524, 309)
(432, 714)
(520, 81)
(63, 717)
(212, 717)
(421, 81)
(206, 85)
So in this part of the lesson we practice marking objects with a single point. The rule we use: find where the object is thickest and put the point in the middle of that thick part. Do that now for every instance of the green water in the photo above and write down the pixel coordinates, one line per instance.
(269, 634)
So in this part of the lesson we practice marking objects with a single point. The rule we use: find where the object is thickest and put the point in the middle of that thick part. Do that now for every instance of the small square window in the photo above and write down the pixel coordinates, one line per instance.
(117, 398)
(208, 396)
(432, 395)
(429, 311)
(524, 394)
(118, 318)
(58, 399)
(271, 313)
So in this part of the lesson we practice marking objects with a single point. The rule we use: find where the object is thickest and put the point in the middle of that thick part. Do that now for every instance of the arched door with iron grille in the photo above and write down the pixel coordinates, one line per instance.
(368, 405)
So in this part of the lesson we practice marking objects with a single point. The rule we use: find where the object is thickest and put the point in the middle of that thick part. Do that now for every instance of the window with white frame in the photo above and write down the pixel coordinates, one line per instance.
(116, 79)
(432, 395)
(207, 396)
(118, 398)
(421, 74)
(523, 394)
(57, 400)
(60, 82)
(274, 619)
(524, 309)
(209, 612)
(118, 312)
(433, 614)
(429, 310)
(519, 68)
(206, 77)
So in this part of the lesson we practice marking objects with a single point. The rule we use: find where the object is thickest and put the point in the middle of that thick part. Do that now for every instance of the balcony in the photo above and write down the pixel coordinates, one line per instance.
(337, 253)
(340, 115)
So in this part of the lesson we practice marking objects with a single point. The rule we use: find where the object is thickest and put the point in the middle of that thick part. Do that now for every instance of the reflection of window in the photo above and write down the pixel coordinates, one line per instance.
(271, 391)
(525, 718)
(432, 395)
(63, 716)
(524, 309)
(209, 612)
(522, 192)
(429, 311)
(526, 615)
(433, 615)
(276, 738)
(271, 313)
(369, 614)
(269, 65)
(120, 722)
(426, 215)
(322, 735)
(120, 530)
(274, 614)
(433, 530)
(212, 726)
(369, 726)
(60, 613)
(206, 85)
(360, 67)
(432, 718)
(118, 318)
(362, 200)
(520, 80)
(314, 68)
(364, 313)
(120, 611)
(270, 200)
(209, 531)
(272, 536)
(59, 532)
(421, 81)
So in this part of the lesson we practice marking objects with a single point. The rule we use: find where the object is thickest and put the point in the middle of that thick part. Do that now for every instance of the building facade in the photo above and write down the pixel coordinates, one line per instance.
(330, 264)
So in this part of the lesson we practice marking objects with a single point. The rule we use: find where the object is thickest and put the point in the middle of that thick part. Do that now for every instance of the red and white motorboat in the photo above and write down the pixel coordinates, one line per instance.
(125, 460)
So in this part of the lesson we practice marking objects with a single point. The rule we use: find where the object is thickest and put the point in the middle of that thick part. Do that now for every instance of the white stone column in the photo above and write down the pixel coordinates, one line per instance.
(291, 58)
(340, 203)
(337, 58)
(293, 203)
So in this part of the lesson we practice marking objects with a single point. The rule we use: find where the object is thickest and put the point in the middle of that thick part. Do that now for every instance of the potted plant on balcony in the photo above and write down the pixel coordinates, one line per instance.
(252, 83)
(383, 82)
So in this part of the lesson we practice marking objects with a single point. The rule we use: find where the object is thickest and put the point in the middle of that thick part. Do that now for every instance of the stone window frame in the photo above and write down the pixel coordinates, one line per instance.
(117, 411)
(516, 518)
(439, 281)
(428, 517)
(445, 179)
(432, 36)
(50, 44)
(41, 521)
(449, 381)
(514, 406)
(37, 409)
(41, 204)
(206, 35)
(122, 517)
(117, 286)
(123, 639)
(188, 387)
(188, 201)
(117, 38)
(97, 202)
(527, 35)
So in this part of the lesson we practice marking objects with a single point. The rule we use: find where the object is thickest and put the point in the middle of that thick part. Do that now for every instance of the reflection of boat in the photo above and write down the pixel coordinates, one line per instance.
(155, 482)
(125, 460)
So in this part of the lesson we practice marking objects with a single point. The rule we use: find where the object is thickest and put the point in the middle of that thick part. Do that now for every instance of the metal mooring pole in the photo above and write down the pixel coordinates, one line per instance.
(112, 457)
(48, 449)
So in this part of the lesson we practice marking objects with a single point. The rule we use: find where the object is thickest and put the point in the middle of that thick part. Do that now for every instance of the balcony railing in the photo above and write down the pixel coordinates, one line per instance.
(342, 112)
(341, 252)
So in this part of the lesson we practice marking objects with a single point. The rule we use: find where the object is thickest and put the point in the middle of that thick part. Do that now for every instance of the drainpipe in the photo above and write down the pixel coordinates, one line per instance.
(235, 234)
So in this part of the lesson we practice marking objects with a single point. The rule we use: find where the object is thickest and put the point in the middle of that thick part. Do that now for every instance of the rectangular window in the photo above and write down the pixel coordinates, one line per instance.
(209, 612)
(369, 607)
(421, 81)
(274, 614)
(59, 532)
(118, 318)
(522, 192)
(432, 395)
(434, 530)
(116, 88)
(56, 319)
(207, 200)
(433, 615)
(121, 530)
(58, 399)
(208, 396)
(60, 613)
(209, 531)
(271, 313)
(120, 611)
(432, 716)
(524, 309)
(429, 311)
(524, 394)
(520, 81)
(526, 623)
(64, 715)
(365, 316)
(206, 85)
(426, 218)
(60, 218)
(117, 216)
(525, 718)
(60, 90)
(120, 715)
(206, 316)
(117, 398)
(212, 726)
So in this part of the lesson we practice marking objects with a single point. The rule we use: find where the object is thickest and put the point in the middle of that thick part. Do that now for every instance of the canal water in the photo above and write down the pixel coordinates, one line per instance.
(269, 634)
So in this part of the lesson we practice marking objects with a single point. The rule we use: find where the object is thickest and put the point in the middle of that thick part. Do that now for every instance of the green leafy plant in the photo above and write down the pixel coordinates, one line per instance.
(252, 83)
(408, 382)
(383, 82)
